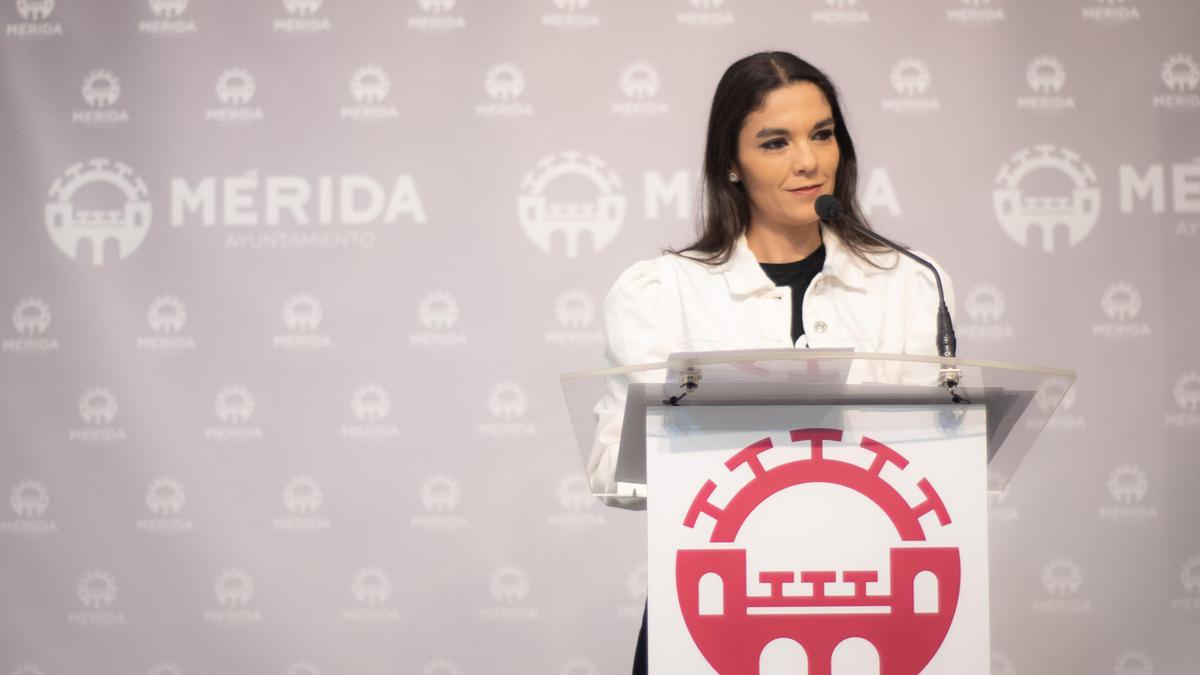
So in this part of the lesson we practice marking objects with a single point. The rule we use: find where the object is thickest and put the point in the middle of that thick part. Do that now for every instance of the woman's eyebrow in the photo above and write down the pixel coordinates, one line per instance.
(772, 131)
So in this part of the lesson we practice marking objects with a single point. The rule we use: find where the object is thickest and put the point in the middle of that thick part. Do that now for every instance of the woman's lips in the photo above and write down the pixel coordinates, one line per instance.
(810, 191)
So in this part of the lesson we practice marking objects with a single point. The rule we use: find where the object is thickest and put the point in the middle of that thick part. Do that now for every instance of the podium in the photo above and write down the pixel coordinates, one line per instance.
(813, 511)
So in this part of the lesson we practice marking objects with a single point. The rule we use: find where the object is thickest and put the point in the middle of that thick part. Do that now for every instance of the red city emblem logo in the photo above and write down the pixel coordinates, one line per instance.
(732, 633)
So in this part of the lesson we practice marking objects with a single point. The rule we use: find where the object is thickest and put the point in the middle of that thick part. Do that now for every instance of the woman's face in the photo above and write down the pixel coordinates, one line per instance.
(788, 156)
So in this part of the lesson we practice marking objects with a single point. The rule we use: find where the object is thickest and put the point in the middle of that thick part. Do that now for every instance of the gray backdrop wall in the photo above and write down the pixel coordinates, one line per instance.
(290, 284)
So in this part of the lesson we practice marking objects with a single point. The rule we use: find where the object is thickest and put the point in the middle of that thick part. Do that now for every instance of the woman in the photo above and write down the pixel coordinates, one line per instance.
(765, 272)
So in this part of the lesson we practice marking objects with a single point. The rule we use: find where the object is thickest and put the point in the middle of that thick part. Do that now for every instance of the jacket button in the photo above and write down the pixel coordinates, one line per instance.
(818, 286)
(820, 327)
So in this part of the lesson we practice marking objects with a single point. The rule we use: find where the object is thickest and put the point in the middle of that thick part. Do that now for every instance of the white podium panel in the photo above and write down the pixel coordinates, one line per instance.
(818, 539)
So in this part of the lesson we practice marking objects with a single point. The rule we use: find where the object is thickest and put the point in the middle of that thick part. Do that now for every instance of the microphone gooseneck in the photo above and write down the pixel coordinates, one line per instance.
(829, 209)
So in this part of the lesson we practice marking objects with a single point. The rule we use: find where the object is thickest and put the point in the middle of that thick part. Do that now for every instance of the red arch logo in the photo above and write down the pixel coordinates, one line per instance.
(733, 639)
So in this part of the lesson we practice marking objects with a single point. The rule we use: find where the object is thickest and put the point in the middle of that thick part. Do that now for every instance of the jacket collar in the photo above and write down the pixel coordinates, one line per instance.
(745, 276)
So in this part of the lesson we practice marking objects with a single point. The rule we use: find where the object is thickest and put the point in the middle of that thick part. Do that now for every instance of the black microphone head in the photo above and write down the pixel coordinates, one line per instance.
(827, 207)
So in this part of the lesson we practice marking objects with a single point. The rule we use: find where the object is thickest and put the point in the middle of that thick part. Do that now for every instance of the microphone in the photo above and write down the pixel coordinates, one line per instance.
(829, 210)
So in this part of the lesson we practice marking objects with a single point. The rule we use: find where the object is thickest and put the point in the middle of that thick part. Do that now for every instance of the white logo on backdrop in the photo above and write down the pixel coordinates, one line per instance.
(168, 19)
(1187, 395)
(1189, 578)
(567, 217)
(985, 309)
(509, 586)
(1187, 391)
(704, 14)
(439, 495)
(1110, 12)
(1133, 662)
(841, 13)
(302, 314)
(911, 79)
(1181, 73)
(370, 404)
(579, 666)
(370, 85)
(235, 86)
(35, 10)
(97, 590)
(302, 668)
(438, 312)
(371, 588)
(101, 89)
(98, 406)
(507, 402)
(975, 13)
(1128, 485)
(235, 89)
(302, 19)
(1121, 303)
(165, 668)
(440, 667)
(31, 316)
(34, 15)
(574, 311)
(579, 506)
(1062, 579)
(27, 669)
(437, 16)
(639, 82)
(166, 317)
(302, 497)
(233, 589)
(31, 320)
(234, 406)
(29, 500)
(635, 587)
(77, 231)
(1051, 390)
(165, 499)
(165, 496)
(570, 15)
(1020, 212)
(98, 409)
(1181, 76)
(1001, 664)
(1046, 77)
(168, 9)
(504, 83)
(999, 508)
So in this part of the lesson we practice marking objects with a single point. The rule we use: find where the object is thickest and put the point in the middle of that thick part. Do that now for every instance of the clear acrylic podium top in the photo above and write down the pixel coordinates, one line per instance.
(1020, 399)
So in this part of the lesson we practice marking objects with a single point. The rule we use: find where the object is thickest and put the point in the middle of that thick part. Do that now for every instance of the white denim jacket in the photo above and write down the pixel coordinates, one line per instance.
(673, 304)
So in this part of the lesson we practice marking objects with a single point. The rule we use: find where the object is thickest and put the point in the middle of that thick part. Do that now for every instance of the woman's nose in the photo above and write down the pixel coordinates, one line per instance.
(804, 160)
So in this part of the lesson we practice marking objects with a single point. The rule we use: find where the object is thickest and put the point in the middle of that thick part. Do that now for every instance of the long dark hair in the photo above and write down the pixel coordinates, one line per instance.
(725, 212)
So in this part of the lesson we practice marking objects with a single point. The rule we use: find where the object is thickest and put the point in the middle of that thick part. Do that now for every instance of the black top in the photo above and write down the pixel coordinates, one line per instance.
(797, 275)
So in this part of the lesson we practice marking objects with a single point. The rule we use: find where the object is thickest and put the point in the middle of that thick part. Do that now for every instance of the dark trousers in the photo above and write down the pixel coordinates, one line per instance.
(639, 654)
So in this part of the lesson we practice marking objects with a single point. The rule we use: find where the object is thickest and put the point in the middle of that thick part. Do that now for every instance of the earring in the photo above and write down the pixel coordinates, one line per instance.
(733, 177)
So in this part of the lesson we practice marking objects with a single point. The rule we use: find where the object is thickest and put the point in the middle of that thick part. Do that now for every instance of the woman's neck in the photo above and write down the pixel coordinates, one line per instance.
(783, 244)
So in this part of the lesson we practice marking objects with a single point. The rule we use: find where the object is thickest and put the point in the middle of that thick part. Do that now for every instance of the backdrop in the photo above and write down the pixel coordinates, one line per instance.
(290, 284)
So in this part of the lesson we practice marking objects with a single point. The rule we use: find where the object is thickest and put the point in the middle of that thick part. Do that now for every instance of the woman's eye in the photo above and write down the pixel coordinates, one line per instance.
(823, 135)
(774, 144)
